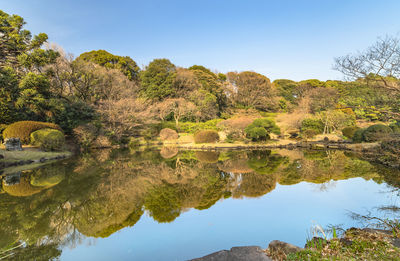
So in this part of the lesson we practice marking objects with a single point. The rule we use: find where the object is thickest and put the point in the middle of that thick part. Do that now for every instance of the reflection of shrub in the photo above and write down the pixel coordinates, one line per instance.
(261, 128)
(348, 132)
(206, 136)
(168, 152)
(47, 177)
(22, 189)
(207, 156)
(48, 139)
(376, 132)
(23, 129)
(311, 127)
(168, 134)
(358, 136)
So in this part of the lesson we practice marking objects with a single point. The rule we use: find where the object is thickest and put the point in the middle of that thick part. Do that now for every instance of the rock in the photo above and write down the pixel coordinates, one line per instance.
(42, 160)
(12, 179)
(13, 144)
(277, 246)
(247, 253)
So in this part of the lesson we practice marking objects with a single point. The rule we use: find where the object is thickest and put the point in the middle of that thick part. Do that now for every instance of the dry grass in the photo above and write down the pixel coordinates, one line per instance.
(30, 153)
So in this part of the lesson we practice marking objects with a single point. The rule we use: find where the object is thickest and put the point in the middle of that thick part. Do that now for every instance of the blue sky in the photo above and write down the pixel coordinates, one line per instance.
(294, 39)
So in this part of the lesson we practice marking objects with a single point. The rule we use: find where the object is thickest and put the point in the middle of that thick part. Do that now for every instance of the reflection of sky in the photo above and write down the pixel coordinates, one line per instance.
(287, 213)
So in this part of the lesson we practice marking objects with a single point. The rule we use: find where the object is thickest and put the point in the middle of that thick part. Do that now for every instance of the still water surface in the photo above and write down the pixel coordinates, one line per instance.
(170, 205)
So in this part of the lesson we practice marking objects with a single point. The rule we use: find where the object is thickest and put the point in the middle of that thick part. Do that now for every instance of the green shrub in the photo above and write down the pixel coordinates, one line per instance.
(23, 129)
(376, 132)
(311, 126)
(348, 132)
(48, 139)
(206, 136)
(257, 133)
(260, 129)
(268, 124)
(358, 135)
(193, 127)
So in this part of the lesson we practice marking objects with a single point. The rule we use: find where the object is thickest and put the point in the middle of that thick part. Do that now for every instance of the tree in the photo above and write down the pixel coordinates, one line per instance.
(251, 89)
(380, 63)
(125, 64)
(210, 83)
(18, 47)
(157, 80)
(178, 108)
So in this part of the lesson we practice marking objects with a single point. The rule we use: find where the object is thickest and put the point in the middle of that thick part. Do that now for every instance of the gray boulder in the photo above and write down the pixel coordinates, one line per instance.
(247, 253)
(13, 144)
(280, 247)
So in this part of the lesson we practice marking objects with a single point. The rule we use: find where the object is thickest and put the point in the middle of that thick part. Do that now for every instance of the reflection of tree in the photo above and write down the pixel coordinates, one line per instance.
(263, 162)
(42, 252)
(254, 185)
(164, 203)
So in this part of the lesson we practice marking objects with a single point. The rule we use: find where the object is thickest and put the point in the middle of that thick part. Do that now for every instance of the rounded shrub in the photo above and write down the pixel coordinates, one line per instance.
(348, 132)
(358, 135)
(206, 136)
(168, 134)
(257, 133)
(48, 139)
(23, 129)
(376, 132)
(260, 129)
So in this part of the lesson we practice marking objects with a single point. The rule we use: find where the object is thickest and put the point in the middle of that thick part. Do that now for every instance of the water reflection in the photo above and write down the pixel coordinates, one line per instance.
(95, 195)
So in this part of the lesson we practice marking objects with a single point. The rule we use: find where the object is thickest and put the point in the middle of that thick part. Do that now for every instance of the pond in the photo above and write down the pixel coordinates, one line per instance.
(170, 205)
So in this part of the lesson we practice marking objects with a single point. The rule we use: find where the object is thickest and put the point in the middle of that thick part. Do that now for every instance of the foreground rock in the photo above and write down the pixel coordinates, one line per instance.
(247, 253)
(277, 248)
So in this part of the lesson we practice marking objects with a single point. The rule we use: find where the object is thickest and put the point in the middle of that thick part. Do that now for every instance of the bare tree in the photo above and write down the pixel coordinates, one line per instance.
(178, 107)
(379, 63)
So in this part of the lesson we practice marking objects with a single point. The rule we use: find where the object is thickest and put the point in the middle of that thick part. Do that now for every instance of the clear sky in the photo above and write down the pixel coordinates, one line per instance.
(295, 39)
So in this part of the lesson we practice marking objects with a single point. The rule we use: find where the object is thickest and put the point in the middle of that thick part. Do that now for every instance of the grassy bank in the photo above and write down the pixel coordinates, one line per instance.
(30, 154)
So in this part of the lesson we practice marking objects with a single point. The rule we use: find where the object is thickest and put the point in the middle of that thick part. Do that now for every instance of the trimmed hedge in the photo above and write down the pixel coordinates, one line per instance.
(206, 136)
(23, 129)
(48, 139)
(376, 132)
(348, 132)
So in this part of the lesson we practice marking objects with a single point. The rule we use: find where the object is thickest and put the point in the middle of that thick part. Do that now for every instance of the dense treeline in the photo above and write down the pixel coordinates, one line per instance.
(102, 94)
